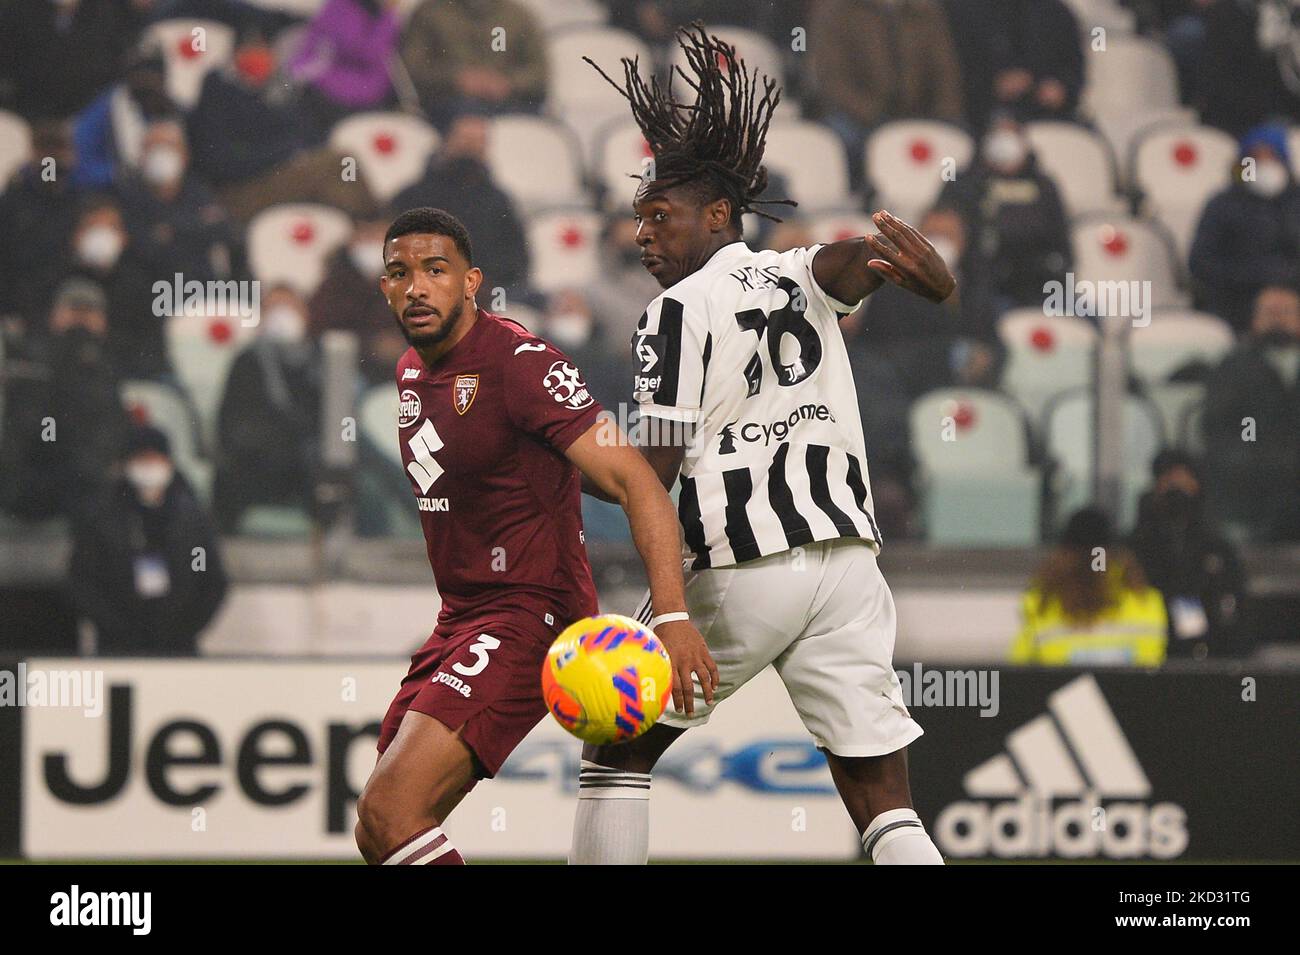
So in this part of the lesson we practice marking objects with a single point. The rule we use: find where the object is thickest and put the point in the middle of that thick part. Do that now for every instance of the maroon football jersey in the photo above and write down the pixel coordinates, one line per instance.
(483, 435)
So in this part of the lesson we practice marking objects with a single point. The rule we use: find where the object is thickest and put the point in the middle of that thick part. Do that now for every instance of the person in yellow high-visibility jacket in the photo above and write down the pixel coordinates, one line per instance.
(1089, 604)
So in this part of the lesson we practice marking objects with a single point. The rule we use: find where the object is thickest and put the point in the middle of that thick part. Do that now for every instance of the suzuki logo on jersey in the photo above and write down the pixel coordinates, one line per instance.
(408, 408)
(564, 383)
(432, 504)
(464, 392)
(1044, 796)
(778, 430)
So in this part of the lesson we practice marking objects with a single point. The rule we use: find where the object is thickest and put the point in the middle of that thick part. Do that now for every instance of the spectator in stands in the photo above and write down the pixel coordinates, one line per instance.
(570, 326)
(252, 140)
(1243, 86)
(1252, 442)
(1188, 561)
(348, 299)
(343, 59)
(1249, 234)
(621, 291)
(879, 60)
(269, 423)
(146, 570)
(1089, 604)
(174, 220)
(109, 133)
(1024, 56)
(38, 212)
(58, 54)
(104, 252)
(1019, 236)
(64, 426)
(458, 179)
(475, 56)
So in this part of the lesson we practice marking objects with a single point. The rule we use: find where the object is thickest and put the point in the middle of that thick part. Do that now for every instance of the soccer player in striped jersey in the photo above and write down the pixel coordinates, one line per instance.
(745, 377)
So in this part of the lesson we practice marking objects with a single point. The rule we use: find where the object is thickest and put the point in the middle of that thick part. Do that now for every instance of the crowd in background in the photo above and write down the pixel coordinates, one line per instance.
(146, 188)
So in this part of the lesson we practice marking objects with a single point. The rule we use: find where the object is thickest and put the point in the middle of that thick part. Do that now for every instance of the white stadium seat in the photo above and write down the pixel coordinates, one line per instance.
(1176, 338)
(1079, 162)
(1129, 85)
(567, 14)
(391, 148)
(201, 349)
(977, 486)
(15, 145)
(289, 243)
(535, 161)
(1178, 169)
(165, 408)
(621, 153)
(577, 95)
(565, 247)
(1120, 248)
(836, 226)
(756, 51)
(1045, 355)
(191, 49)
(907, 160)
(811, 158)
(1107, 14)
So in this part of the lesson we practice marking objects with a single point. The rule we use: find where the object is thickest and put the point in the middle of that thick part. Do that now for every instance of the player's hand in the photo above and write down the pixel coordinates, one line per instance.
(906, 258)
(689, 656)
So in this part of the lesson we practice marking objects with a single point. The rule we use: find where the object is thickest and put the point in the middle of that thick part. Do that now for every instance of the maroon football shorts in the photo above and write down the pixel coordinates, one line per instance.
(484, 676)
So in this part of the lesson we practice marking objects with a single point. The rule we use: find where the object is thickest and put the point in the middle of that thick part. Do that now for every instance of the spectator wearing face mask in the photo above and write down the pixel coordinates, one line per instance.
(146, 571)
(348, 300)
(64, 426)
(103, 252)
(251, 139)
(38, 212)
(268, 425)
(570, 326)
(619, 293)
(1018, 233)
(109, 133)
(174, 220)
(1251, 437)
(1249, 234)
(1195, 569)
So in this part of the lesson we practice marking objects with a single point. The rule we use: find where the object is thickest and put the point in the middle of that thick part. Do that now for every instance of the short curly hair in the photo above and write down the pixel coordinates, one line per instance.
(429, 221)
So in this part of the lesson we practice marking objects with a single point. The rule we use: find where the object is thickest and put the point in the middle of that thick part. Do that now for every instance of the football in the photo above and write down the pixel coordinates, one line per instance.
(606, 679)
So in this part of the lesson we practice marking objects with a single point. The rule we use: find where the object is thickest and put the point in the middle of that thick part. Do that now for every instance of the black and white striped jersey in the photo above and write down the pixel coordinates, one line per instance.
(747, 352)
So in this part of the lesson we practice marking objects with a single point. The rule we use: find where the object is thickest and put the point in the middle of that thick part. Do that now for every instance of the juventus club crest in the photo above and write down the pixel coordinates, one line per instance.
(465, 390)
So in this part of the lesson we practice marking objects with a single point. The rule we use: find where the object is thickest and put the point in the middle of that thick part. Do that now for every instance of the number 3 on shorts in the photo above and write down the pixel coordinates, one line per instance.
(480, 649)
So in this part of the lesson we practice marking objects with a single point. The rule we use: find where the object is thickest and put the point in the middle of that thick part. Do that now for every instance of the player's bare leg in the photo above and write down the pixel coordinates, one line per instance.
(876, 793)
(612, 822)
(420, 778)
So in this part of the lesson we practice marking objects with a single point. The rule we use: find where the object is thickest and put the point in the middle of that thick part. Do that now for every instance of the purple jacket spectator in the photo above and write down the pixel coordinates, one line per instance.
(346, 50)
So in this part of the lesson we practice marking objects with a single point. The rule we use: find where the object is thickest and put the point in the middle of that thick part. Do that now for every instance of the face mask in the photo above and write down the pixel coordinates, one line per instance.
(367, 257)
(149, 477)
(1004, 149)
(100, 246)
(162, 165)
(1270, 179)
(569, 331)
(255, 65)
(946, 248)
(285, 324)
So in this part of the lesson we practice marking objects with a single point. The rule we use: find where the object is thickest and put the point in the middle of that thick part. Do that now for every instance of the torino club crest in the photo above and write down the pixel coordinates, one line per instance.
(464, 392)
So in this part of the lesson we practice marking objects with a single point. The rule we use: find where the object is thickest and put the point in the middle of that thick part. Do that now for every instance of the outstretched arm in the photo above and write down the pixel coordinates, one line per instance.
(854, 268)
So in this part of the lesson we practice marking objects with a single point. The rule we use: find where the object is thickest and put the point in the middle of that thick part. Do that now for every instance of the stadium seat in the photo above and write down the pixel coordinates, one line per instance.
(536, 161)
(1174, 339)
(973, 460)
(621, 153)
(756, 51)
(15, 145)
(1080, 163)
(1107, 14)
(191, 49)
(1070, 443)
(289, 243)
(164, 407)
(391, 148)
(1121, 248)
(1045, 355)
(1176, 170)
(525, 315)
(567, 14)
(564, 246)
(837, 226)
(1112, 75)
(811, 158)
(577, 95)
(906, 162)
(202, 349)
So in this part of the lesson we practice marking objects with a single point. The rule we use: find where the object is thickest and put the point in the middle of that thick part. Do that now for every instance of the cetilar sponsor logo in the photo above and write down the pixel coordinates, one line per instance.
(753, 431)
(1044, 796)
(774, 766)
(74, 907)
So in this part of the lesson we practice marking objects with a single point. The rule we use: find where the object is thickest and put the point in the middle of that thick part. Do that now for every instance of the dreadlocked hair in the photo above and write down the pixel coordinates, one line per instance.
(718, 140)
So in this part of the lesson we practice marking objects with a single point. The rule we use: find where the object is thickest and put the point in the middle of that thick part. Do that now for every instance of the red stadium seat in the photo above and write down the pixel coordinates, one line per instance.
(907, 162)
(191, 49)
(289, 244)
(392, 148)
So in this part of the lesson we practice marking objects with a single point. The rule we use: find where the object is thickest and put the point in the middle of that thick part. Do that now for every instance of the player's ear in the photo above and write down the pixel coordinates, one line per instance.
(473, 279)
(719, 214)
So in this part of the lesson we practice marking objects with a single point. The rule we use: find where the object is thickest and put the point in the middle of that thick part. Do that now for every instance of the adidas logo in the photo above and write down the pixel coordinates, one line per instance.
(1044, 795)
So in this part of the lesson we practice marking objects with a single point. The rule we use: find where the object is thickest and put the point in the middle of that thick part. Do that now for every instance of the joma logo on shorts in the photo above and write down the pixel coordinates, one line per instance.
(455, 682)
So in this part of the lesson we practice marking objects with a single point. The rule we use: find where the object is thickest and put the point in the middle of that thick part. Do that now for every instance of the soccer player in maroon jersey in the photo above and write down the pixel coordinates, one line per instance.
(495, 426)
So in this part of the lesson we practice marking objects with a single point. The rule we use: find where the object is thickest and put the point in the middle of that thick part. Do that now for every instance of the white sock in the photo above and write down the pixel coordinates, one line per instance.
(896, 837)
(612, 824)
